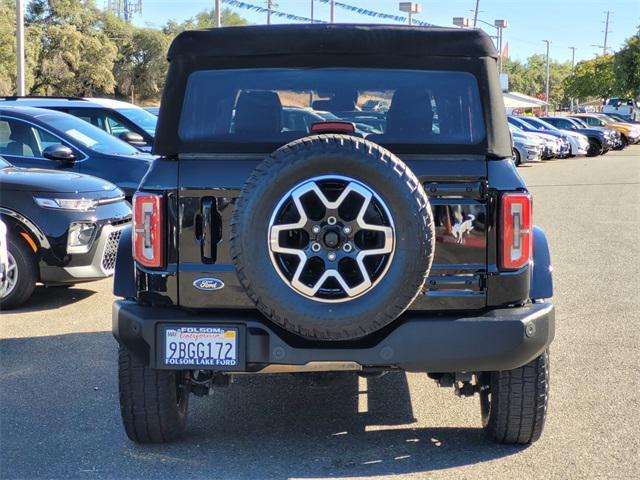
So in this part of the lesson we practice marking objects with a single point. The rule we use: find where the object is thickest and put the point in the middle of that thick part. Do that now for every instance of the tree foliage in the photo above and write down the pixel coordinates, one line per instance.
(606, 76)
(593, 78)
(73, 48)
(626, 67)
(529, 77)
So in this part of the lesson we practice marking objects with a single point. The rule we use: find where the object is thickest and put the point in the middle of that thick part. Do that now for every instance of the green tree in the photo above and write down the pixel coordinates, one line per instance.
(76, 57)
(142, 66)
(529, 78)
(8, 49)
(626, 65)
(592, 79)
(205, 19)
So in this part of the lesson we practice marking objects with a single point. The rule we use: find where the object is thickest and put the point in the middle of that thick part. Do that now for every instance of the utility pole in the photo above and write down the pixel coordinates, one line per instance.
(312, 11)
(218, 15)
(269, 5)
(333, 12)
(573, 65)
(500, 26)
(546, 83)
(475, 15)
(20, 47)
(606, 33)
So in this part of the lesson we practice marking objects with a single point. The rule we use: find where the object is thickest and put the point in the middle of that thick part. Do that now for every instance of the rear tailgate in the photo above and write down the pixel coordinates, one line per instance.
(456, 188)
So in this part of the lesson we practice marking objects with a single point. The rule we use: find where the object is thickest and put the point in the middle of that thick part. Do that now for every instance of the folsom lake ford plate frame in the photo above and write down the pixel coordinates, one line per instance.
(202, 346)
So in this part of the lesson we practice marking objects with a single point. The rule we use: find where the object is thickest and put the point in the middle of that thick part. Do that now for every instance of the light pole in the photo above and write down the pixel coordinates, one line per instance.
(20, 47)
(410, 8)
(494, 37)
(573, 65)
(461, 22)
(333, 12)
(269, 5)
(546, 88)
(218, 22)
(606, 33)
(312, 11)
(475, 14)
(500, 25)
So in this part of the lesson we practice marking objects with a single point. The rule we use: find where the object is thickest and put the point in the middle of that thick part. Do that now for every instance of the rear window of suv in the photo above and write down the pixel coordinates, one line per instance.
(275, 106)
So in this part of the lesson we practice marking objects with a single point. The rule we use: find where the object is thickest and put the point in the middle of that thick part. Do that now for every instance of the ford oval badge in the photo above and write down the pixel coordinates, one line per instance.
(208, 284)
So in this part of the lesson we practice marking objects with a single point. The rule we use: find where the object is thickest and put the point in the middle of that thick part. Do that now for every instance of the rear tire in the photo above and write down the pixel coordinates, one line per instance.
(153, 403)
(514, 407)
(23, 268)
(595, 148)
(516, 157)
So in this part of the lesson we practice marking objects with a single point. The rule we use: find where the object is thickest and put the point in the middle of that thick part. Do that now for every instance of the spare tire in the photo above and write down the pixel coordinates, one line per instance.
(332, 237)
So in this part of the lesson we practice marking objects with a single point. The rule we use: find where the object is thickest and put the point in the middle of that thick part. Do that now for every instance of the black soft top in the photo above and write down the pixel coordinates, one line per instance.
(333, 46)
(332, 39)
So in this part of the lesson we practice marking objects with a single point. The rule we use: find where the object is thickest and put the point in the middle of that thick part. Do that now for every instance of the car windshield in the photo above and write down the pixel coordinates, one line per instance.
(256, 105)
(607, 118)
(86, 135)
(579, 122)
(145, 120)
(543, 124)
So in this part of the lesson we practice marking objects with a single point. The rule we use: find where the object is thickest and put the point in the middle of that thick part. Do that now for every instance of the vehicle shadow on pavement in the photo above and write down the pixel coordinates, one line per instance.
(50, 298)
(59, 418)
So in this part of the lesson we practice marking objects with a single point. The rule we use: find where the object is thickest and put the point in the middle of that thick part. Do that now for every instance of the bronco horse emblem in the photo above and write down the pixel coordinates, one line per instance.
(460, 228)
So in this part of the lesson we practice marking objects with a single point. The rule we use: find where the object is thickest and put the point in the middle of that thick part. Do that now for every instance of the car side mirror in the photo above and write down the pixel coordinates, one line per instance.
(132, 138)
(59, 152)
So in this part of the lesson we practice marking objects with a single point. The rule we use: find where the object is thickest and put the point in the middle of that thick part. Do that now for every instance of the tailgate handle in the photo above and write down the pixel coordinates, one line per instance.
(210, 232)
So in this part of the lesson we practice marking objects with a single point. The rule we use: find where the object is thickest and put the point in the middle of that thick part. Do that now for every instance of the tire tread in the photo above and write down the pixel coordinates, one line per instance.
(519, 399)
(148, 406)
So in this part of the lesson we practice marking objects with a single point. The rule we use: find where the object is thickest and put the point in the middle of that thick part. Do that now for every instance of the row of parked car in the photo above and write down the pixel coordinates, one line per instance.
(68, 170)
(591, 134)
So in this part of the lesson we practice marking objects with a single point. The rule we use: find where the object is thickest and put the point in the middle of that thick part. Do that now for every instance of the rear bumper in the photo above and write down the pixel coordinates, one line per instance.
(500, 339)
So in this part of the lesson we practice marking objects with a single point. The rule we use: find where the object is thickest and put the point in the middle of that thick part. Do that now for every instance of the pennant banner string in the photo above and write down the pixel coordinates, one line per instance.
(351, 8)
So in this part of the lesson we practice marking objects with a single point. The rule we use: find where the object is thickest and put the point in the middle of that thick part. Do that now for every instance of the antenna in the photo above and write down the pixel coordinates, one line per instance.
(125, 9)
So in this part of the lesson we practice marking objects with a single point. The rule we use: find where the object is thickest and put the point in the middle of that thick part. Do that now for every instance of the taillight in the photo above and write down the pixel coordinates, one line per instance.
(515, 237)
(148, 229)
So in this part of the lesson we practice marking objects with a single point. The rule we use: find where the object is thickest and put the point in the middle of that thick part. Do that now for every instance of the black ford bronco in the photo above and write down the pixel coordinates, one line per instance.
(289, 226)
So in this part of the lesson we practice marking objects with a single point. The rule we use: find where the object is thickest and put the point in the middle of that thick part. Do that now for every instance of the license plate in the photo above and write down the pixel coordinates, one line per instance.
(201, 346)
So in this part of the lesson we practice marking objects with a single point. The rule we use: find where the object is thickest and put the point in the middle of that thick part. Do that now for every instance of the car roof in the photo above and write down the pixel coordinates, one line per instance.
(328, 39)
(26, 111)
(66, 102)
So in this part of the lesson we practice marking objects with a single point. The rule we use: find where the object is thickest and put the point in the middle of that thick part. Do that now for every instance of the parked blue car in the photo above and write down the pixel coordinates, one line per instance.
(39, 138)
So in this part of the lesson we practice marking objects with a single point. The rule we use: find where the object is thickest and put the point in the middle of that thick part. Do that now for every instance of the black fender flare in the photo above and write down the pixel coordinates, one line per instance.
(541, 269)
(124, 278)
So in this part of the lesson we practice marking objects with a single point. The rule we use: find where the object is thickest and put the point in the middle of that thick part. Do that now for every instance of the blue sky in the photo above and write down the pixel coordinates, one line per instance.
(567, 23)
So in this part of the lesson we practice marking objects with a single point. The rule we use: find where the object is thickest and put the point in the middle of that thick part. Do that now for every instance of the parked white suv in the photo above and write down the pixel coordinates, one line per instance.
(626, 107)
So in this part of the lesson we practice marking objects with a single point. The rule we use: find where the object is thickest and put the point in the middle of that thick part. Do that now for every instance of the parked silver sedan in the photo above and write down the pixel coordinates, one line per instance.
(526, 147)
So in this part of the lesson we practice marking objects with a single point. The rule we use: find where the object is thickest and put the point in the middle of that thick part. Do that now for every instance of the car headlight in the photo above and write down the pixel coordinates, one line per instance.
(80, 237)
(76, 204)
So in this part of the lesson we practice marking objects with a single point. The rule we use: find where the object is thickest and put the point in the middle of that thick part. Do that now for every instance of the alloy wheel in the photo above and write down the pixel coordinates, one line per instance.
(12, 276)
(331, 238)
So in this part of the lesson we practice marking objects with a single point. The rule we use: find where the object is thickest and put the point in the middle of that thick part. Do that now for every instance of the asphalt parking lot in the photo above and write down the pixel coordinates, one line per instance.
(59, 401)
